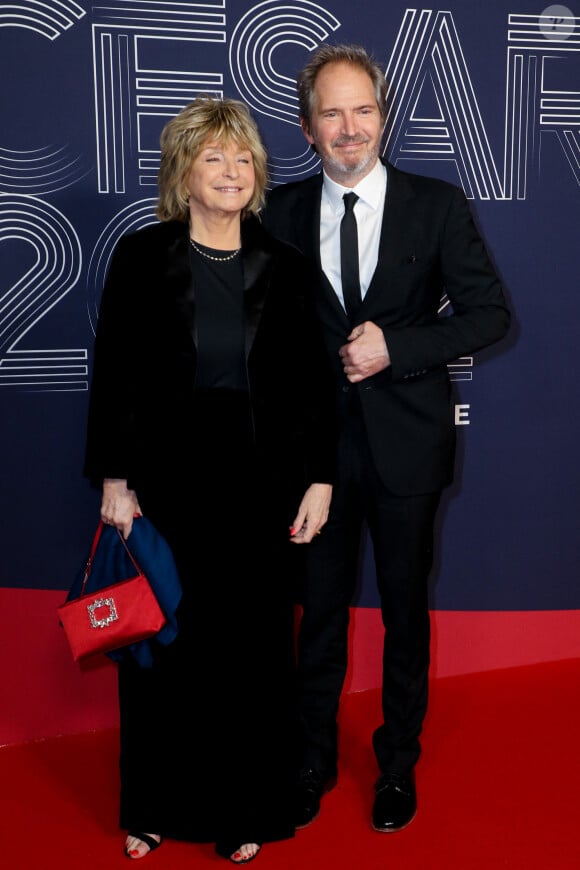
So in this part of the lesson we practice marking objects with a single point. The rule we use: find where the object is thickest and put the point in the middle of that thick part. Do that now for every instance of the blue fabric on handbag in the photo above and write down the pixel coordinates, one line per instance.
(111, 564)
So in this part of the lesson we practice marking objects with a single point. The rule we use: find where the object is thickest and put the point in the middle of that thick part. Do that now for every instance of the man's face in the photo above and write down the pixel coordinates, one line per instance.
(346, 124)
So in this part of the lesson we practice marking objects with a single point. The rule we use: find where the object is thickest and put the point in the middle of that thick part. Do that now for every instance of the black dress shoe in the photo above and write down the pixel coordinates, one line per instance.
(310, 787)
(395, 802)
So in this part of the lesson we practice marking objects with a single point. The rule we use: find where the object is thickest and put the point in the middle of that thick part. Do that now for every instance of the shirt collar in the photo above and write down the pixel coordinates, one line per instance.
(370, 190)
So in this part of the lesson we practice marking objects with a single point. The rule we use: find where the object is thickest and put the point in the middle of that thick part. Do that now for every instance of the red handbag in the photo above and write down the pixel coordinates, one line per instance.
(112, 617)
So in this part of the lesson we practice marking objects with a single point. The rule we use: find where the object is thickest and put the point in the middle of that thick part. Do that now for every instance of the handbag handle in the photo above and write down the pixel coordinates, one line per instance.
(94, 546)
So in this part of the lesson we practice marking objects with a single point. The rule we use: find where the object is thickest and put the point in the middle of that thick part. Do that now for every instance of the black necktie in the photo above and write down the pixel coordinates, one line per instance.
(349, 257)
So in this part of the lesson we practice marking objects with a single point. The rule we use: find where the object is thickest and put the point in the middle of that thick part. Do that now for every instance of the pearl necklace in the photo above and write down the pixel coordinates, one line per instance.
(215, 259)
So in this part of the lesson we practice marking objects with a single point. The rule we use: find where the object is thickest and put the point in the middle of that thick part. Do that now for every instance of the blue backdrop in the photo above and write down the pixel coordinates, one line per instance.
(484, 94)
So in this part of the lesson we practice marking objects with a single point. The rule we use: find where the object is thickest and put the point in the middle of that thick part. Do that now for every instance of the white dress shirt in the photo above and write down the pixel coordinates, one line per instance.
(368, 211)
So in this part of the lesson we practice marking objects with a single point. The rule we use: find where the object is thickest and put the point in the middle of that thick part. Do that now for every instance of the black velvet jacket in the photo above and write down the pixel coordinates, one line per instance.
(140, 411)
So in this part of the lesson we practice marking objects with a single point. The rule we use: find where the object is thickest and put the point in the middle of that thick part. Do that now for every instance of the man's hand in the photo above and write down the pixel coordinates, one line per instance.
(366, 352)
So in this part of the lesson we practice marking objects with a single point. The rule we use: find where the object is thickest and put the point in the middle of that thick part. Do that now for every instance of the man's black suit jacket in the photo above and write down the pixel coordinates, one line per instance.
(429, 246)
(141, 413)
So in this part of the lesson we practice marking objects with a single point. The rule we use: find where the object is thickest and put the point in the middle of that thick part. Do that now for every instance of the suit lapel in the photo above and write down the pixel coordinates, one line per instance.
(394, 240)
(257, 260)
(305, 217)
(179, 282)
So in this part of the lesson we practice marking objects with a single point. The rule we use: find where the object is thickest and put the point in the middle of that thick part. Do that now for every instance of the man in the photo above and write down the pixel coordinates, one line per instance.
(415, 241)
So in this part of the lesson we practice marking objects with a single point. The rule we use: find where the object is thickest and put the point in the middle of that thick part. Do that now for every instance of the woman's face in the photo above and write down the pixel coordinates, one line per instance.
(221, 179)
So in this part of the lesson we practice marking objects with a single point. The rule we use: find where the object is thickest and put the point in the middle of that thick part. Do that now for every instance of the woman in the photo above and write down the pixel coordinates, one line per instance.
(210, 414)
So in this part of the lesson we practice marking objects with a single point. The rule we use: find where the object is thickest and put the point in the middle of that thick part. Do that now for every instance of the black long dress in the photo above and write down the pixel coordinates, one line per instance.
(207, 734)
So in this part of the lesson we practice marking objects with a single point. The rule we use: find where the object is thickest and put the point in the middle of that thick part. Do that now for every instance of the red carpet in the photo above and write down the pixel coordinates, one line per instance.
(497, 785)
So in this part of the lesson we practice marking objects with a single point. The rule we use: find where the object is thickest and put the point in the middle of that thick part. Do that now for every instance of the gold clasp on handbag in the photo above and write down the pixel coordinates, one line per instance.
(98, 603)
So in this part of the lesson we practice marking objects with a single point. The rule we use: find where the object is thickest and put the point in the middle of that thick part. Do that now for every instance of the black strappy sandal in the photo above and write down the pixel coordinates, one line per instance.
(145, 838)
(244, 860)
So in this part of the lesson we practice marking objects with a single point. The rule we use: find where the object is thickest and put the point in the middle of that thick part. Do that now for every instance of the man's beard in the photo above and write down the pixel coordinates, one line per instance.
(334, 166)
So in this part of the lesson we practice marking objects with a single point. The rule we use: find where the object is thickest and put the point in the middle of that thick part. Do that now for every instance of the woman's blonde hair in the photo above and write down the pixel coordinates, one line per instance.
(206, 119)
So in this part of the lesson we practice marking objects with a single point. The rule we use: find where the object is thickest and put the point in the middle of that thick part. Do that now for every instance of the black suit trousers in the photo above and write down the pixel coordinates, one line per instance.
(401, 531)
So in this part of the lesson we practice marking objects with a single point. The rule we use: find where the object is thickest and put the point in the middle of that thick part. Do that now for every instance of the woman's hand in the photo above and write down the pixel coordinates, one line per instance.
(119, 505)
(312, 513)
